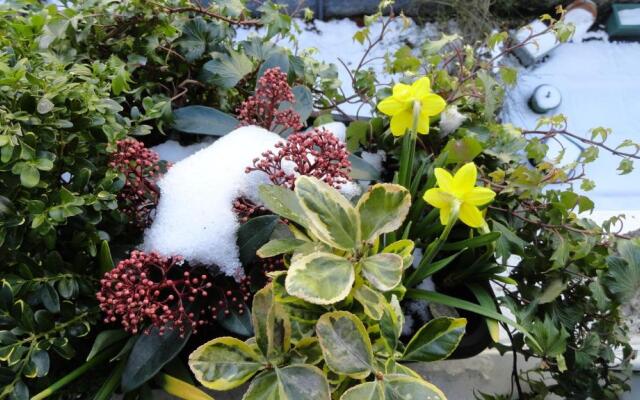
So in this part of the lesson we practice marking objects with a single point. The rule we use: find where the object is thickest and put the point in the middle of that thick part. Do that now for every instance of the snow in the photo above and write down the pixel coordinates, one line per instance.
(582, 20)
(333, 41)
(599, 82)
(194, 217)
(629, 16)
(375, 159)
(338, 129)
(450, 120)
(535, 47)
(173, 151)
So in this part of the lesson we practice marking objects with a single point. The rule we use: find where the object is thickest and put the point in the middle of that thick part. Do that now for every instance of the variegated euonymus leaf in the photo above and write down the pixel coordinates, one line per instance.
(330, 216)
(345, 344)
(224, 363)
(391, 323)
(403, 248)
(306, 351)
(371, 300)
(295, 382)
(436, 340)
(383, 270)
(365, 391)
(320, 278)
(394, 387)
(283, 202)
(383, 209)
(402, 387)
(271, 324)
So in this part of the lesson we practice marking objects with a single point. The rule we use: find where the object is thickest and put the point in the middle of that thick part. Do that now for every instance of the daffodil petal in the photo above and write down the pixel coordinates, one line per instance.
(479, 196)
(444, 179)
(465, 179)
(423, 124)
(470, 215)
(438, 198)
(402, 91)
(392, 106)
(432, 104)
(445, 213)
(421, 87)
(401, 122)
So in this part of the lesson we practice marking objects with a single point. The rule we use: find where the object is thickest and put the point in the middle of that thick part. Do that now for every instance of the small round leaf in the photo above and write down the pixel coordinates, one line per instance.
(320, 278)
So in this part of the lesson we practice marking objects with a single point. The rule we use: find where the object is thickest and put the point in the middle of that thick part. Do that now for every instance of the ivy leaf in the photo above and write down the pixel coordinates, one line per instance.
(622, 278)
(227, 69)
(198, 37)
(345, 344)
(551, 340)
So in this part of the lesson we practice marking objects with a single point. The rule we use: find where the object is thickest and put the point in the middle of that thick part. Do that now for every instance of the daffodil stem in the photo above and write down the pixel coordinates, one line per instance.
(409, 150)
(433, 249)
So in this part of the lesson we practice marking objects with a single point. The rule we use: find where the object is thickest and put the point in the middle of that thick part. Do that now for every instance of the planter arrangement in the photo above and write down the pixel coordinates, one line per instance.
(294, 257)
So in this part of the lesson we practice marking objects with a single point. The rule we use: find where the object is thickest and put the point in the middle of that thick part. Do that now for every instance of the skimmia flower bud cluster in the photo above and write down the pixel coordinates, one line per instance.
(148, 290)
(316, 153)
(262, 108)
(141, 168)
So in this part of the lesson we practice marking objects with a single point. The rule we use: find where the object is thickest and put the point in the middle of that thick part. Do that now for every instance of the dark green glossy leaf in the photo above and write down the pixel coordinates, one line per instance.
(204, 121)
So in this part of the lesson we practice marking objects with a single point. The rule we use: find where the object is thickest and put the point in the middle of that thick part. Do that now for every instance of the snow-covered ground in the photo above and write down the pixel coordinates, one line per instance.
(600, 86)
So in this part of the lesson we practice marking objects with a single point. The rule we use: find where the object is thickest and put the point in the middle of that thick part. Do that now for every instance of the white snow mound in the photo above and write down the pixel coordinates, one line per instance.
(194, 217)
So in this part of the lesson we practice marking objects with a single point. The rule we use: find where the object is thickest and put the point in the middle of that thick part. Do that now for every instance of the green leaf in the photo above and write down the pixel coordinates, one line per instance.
(320, 278)
(271, 323)
(198, 37)
(462, 150)
(345, 344)
(41, 361)
(382, 209)
(224, 363)
(180, 388)
(228, 69)
(331, 217)
(294, 382)
(253, 234)
(278, 58)
(236, 322)
(149, 354)
(306, 351)
(50, 298)
(477, 241)
(622, 279)
(303, 104)
(277, 247)
(29, 176)
(485, 300)
(362, 170)
(204, 121)
(106, 339)
(383, 270)
(550, 341)
(418, 294)
(436, 340)
(44, 106)
(552, 291)
(104, 258)
(283, 202)
(371, 300)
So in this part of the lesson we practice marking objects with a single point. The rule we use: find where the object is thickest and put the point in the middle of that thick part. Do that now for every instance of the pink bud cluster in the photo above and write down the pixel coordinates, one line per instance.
(316, 153)
(246, 209)
(262, 108)
(142, 169)
(148, 290)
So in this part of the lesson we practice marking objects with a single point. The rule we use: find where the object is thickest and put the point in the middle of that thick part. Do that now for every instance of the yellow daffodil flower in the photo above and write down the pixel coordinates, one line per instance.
(459, 191)
(400, 106)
